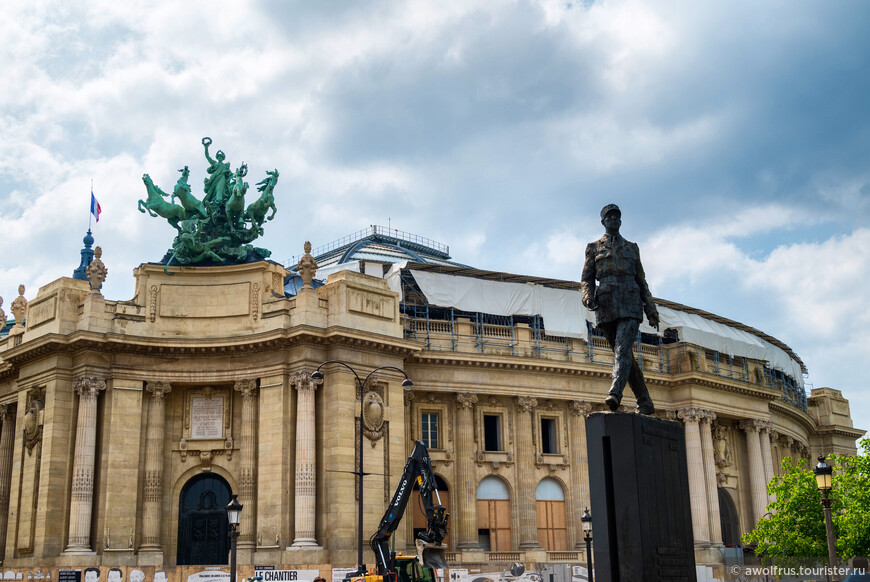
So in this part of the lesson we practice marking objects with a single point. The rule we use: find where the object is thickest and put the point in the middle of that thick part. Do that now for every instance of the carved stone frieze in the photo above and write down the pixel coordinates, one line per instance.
(34, 418)
(152, 303)
(722, 455)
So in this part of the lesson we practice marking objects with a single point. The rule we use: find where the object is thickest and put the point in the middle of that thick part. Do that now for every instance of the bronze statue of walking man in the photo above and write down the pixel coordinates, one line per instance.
(621, 299)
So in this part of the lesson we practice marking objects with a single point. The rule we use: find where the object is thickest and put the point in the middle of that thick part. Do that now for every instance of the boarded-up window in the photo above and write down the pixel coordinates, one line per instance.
(552, 522)
(494, 515)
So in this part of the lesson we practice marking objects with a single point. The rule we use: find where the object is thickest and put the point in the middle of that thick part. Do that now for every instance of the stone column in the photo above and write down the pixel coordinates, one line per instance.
(306, 477)
(82, 498)
(247, 461)
(526, 506)
(465, 498)
(757, 486)
(710, 477)
(697, 487)
(152, 497)
(764, 437)
(7, 441)
(775, 452)
(579, 468)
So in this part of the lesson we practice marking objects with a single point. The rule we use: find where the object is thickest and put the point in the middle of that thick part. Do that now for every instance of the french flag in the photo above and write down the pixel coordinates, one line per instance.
(95, 207)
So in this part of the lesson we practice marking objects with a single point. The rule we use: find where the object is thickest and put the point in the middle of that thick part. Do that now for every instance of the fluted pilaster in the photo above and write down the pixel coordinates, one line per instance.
(82, 498)
(466, 500)
(7, 441)
(306, 477)
(247, 460)
(153, 490)
(526, 507)
(715, 521)
(579, 468)
(757, 484)
(697, 483)
(766, 456)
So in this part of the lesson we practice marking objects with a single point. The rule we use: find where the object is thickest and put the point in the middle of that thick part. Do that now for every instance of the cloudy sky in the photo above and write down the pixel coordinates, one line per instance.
(734, 135)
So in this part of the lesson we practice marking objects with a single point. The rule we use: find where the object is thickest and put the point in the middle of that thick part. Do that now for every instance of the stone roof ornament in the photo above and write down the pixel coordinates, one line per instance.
(2, 315)
(307, 267)
(19, 308)
(97, 271)
(218, 229)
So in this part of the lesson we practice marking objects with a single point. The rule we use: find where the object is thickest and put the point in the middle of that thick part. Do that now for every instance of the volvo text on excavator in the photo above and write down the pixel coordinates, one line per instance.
(430, 550)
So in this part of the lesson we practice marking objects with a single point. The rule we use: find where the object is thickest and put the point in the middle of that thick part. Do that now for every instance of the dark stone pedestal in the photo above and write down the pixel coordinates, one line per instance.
(639, 485)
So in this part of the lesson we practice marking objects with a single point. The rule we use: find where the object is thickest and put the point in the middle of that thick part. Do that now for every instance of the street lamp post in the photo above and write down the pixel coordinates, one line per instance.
(234, 515)
(824, 482)
(586, 520)
(406, 384)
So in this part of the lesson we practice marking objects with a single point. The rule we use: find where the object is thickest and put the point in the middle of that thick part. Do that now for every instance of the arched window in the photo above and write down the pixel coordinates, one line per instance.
(728, 519)
(494, 515)
(552, 523)
(420, 521)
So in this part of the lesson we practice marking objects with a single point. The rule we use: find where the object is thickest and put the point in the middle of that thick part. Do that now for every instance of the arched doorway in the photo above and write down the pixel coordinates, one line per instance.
(202, 521)
(420, 521)
(494, 515)
(728, 518)
(552, 522)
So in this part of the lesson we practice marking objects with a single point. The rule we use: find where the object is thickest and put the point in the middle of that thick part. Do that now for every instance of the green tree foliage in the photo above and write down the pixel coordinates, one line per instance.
(795, 523)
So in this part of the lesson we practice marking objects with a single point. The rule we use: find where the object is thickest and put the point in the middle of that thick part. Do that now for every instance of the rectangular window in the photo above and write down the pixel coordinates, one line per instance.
(429, 426)
(549, 442)
(491, 432)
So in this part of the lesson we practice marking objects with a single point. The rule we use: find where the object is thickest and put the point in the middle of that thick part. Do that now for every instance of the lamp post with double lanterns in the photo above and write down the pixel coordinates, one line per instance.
(234, 515)
(824, 481)
(586, 520)
(361, 384)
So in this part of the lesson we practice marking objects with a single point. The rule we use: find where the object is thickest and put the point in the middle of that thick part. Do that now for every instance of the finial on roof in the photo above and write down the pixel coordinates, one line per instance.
(307, 267)
(87, 256)
(97, 271)
(2, 315)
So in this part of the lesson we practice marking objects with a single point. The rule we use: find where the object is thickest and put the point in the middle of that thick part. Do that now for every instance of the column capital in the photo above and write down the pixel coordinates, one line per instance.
(158, 389)
(408, 398)
(774, 436)
(466, 399)
(303, 381)
(526, 403)
(89, 386)
(753, 425)
(765, 426)
(6, 411)
(248, 388)
(709, 417)
(580, 408)
(787, 440)
(693, 415)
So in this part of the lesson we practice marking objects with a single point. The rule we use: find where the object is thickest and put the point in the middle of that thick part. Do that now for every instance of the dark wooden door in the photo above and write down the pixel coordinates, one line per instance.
(202, 521)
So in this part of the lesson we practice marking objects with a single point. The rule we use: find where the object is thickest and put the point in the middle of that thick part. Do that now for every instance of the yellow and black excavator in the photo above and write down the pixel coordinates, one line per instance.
(391, 567)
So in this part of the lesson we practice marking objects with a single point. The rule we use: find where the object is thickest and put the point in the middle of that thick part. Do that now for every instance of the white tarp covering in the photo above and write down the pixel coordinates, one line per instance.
(562, 310)
(565, 316)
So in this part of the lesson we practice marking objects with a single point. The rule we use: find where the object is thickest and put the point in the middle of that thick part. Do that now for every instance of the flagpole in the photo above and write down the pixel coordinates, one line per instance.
(90, 203)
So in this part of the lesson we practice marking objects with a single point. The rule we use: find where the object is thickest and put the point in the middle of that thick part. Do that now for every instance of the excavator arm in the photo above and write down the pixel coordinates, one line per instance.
(430, 551)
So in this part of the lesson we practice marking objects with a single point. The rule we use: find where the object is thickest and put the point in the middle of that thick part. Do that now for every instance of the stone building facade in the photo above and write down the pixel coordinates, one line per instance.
(126, 425)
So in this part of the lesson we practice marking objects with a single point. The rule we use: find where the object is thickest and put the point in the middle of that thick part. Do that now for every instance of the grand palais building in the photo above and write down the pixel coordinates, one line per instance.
(128, 424)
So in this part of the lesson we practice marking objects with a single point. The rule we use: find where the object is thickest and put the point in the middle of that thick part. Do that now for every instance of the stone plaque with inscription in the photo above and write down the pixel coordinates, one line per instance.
(206, 417)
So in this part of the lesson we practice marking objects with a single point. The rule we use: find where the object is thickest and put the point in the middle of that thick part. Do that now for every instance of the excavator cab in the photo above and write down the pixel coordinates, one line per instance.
(410, 569)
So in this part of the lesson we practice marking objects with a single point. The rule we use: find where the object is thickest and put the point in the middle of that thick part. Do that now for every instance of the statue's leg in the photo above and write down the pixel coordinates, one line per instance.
(638, 386)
